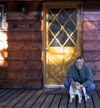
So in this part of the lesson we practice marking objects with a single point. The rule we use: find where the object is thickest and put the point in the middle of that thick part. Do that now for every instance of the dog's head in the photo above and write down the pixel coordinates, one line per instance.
(76, 85)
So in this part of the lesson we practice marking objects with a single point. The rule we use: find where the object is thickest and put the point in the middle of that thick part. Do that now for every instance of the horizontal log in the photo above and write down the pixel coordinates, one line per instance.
(25, 45)
(91, 5)
(91, 16)
(91, 26)
(21, 65)
(19, 16)
(87, 33)
(30, 84)
(97, 83)
(96, 75)
(20, 36)
(91, 56)
(24, 75)
(31, 6)
(3, 74)
(94, 65)
(91, 38)
(20, 55)
(91, 45)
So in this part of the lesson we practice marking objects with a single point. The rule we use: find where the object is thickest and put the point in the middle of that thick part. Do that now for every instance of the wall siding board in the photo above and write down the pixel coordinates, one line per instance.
(96, 75)
(91, 56)
(94, 65)
(92, 38)
(30, 84)
(23, 45)
(23, 36)
(20, 36)
(91, 16)
(87, 33)
(91, 45)
(23, 65)
(91, 25)
(21, 55)
(18, 16)
(25, 75)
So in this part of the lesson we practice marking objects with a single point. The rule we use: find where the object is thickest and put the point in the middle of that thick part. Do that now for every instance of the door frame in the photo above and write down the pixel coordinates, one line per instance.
(49, 4)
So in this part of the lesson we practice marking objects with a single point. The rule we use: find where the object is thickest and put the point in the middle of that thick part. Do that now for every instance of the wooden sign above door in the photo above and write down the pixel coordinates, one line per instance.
(23, 26)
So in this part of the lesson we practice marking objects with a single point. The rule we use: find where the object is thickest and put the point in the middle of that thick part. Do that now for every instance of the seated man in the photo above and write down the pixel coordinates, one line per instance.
(81, 73)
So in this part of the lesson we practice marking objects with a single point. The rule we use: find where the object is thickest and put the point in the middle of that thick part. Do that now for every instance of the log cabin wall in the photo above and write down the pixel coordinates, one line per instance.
(21, 40)
(91, 38)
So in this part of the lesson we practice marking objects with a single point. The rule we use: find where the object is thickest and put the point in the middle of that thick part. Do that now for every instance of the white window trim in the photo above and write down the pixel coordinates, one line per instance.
(2, 16)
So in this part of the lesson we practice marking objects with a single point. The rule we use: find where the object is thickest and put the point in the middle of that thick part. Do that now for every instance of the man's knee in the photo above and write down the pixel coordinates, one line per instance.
(91, 86)
(67, 85)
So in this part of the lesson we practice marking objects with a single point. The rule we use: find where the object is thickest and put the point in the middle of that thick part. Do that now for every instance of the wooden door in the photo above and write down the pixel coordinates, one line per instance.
(62, 40)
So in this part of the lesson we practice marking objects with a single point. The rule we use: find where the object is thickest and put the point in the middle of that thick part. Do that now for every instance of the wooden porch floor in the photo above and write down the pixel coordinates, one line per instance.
(19, 98)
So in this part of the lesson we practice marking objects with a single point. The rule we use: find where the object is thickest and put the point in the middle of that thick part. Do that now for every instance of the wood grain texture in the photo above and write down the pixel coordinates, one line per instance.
(90, 33)
(21, 45)
(21, 55)
(19, 16)
(91, 15)
(23, 65)
(22, 36)
(91, 45)
(25, 75)
(31, 84)
(94, 65)
(91, 55)
(88, 25)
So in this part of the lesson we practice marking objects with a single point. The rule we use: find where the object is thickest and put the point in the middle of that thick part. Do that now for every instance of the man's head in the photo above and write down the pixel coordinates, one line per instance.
(79, 62)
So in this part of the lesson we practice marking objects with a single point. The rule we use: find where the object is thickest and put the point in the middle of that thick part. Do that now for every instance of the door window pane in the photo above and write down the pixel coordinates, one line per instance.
(62, 29)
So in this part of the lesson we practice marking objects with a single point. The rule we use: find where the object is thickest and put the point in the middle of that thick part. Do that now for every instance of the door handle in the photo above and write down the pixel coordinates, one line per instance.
(46, 49)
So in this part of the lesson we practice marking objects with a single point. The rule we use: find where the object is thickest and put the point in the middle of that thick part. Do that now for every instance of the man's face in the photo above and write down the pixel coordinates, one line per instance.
(79, 64)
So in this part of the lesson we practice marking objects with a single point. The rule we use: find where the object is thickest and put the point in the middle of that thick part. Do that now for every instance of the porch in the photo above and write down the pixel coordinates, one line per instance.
(45, 98)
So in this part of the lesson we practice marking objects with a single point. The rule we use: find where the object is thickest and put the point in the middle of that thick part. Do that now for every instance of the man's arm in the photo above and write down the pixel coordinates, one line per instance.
(89, 79)
(69, 75)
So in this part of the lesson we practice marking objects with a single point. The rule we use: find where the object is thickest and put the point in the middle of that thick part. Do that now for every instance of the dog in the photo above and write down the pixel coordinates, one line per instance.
(76, 89)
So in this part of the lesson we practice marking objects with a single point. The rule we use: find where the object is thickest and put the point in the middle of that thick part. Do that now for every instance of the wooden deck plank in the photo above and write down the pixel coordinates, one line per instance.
(32, 100)
(10, 93)
(1, 90)
(72, 104)
(89, 103)
(96, 100)
(98, 93)
(25, 99)
(39, 101)
(5, 103)
(56, 101)
(82, 104)
(47, 101)
(17, 99)
(64, 101)
(4, 93)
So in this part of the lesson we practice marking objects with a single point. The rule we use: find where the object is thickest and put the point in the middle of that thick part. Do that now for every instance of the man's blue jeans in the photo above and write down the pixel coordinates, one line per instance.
(89, 89)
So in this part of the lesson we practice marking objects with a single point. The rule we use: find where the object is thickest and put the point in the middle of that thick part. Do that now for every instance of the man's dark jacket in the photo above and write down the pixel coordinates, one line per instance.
(84, 75)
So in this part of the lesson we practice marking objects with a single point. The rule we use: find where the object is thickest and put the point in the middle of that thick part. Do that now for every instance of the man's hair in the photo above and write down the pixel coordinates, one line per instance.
(80, 57)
